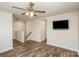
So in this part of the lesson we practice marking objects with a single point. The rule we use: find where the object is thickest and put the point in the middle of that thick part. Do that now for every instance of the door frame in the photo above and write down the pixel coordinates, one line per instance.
(45, 40)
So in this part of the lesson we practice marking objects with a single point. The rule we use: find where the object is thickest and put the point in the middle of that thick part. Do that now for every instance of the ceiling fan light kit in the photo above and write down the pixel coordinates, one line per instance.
(27, 13)
(31, 14)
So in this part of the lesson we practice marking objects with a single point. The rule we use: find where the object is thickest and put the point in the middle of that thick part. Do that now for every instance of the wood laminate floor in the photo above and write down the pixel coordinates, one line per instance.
(16, 43)
(37, 49)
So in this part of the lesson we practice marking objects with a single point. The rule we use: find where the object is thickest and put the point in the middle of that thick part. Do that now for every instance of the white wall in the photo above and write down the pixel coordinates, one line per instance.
(34, 27)
(18, 26)
(5, 31)
(78, 31)
(64, 38)
(28, 30)
(36, 30)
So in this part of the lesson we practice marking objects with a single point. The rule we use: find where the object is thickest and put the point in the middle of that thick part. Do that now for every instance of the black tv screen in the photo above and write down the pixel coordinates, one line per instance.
(62, 24)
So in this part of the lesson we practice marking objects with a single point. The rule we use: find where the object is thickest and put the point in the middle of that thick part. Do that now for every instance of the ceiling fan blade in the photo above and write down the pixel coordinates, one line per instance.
(35, 15)
(23, 13)
(40, 11)
(30, 6)
(18, 8)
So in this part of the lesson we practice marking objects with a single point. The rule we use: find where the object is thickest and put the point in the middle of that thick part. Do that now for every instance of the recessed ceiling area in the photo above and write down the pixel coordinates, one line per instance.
(51, 8)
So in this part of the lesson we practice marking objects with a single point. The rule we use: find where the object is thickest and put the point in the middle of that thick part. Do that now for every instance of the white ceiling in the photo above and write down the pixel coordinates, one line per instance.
(51, 8)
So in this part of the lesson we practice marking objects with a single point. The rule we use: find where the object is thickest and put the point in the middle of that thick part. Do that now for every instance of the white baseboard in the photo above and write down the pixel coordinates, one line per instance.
(66, 48)
(34, 40)
(6, 50)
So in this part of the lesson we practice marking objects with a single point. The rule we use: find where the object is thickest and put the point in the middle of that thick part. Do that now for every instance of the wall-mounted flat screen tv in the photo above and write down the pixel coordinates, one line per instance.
(61, 24)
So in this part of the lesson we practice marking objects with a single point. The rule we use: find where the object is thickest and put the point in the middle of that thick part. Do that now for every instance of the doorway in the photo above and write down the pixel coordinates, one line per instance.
(44, 31)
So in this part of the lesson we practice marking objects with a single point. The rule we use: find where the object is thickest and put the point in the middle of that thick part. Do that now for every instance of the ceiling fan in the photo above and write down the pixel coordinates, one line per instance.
(29, 10)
